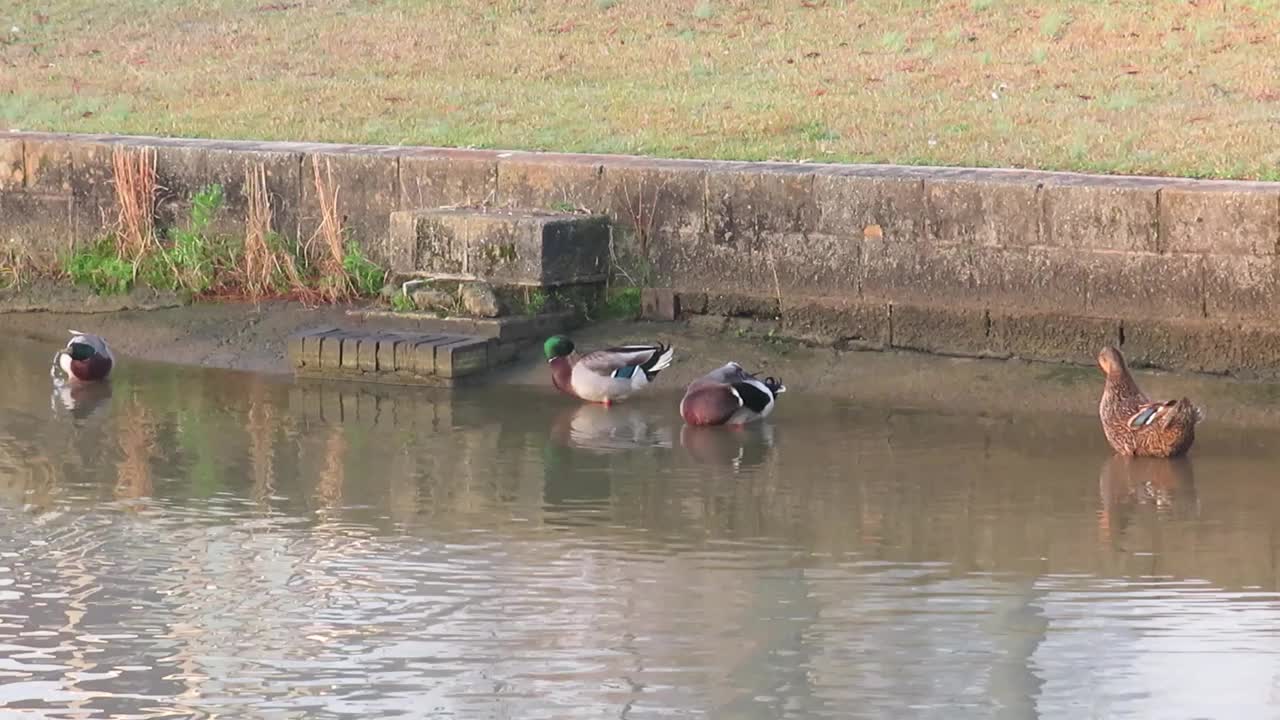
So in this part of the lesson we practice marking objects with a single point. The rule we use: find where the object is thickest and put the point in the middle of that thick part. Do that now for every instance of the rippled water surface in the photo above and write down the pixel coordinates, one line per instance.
(199, 544)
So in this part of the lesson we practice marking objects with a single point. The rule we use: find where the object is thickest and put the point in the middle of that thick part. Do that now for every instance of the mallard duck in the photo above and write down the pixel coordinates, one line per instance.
(605, 376)
(86, 358)
(1133, 424)
(729, 395)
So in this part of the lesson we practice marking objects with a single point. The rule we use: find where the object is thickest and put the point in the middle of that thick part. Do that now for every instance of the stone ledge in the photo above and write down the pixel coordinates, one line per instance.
(399, 358)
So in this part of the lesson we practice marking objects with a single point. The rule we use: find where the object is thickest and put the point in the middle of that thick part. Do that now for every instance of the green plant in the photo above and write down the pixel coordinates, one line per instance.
(621, 303)
(193, 254)
(366, 276)
(401, 302)
(1053, 24)
(534, 302)
(98, 267)
(704, 10)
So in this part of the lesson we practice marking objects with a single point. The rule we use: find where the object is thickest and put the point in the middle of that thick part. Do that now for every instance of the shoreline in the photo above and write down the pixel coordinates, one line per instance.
(242, 336)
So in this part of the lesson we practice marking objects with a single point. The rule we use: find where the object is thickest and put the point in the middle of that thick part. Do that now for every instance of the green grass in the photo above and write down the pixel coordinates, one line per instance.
(622, 303)
(871, 81)
(98, 267)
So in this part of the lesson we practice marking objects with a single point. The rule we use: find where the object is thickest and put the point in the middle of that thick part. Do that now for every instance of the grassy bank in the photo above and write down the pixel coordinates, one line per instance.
(1185, 88)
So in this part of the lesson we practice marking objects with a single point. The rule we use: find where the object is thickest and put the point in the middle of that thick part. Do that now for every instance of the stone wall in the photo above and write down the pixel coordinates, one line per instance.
(997, 263)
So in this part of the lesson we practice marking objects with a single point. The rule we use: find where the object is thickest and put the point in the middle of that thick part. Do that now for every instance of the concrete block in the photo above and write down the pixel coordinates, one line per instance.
(983, 208)
(1051, 336)
(531, 181)
(80, 167)
(655, 195)
(331, 350)
(943, 330)
(1135, 284)
(461, 357)
(748, 205)
(502, 246)
(873, 206)
(436, 178)
(1202, 345)
(659, 304)
(424, 354)
(917, 273)
(693, 303)
(1101, 214)
(312, 340)
(1225, 218)
(1030, 279)
(351, 351)
(408, 358)
(13, 175)
(743, 305)
(385, 357)
(367, 353)
(39, 225)
(1240, 286)
(835, 322)
(367, 190)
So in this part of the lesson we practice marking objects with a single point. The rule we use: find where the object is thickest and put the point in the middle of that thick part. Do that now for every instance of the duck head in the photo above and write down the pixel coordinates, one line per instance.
(557, 346)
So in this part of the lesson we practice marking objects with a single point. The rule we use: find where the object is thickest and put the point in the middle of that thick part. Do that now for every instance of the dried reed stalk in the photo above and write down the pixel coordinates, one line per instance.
(334, 283)
(136, 435)
(134, 177)
(260, 261)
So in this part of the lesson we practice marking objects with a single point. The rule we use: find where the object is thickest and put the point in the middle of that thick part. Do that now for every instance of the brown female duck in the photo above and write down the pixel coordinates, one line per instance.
(1136, 426)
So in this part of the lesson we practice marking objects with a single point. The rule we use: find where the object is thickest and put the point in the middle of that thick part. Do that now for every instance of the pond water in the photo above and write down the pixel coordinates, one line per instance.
(202, 543)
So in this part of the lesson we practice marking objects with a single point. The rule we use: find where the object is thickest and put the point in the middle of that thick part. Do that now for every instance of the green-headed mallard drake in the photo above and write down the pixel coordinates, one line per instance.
(729, 395)
(605, 376)
(1136, 426)
(86, 358)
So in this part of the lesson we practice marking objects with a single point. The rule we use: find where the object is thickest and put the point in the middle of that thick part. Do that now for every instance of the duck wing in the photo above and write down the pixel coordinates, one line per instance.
(609, 361)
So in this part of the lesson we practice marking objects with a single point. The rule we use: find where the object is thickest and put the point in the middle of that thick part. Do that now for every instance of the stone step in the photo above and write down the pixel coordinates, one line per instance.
(509, 329)
(514, 247)
(394, 357)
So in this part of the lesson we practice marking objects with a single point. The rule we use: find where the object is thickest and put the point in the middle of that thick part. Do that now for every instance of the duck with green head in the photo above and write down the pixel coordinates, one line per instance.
(86, 358)
(1136, 426)
(604, 376)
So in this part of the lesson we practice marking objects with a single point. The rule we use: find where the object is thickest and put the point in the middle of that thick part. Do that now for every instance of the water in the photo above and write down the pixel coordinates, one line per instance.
(212, 544)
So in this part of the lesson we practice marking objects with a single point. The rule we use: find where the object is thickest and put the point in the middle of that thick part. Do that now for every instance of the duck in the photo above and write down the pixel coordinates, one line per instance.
(605, 376)
(86, 358)
(729, 395)
(1136, 426)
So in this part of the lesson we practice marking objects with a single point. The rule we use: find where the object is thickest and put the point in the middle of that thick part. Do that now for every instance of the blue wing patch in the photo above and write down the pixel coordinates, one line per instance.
(625, 372)
(1144, 417)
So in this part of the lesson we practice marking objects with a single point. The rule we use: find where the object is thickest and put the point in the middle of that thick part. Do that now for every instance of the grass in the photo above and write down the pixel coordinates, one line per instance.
(872, 81)
(197, 260)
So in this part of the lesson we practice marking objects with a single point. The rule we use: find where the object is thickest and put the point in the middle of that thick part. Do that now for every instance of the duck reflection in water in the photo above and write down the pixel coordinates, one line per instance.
(610, 429)
(80, 400)
(746, 447)
(1126, 483)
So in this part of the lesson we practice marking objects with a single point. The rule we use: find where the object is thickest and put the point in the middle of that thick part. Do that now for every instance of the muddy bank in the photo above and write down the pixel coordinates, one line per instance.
(253, 337)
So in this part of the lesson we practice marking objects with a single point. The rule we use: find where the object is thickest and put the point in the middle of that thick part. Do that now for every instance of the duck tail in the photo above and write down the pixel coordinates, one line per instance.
(661, 360)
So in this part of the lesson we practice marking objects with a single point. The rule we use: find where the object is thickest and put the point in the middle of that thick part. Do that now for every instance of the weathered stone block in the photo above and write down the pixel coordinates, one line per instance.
(185, 171)
(367, 353)
(551, 182)
(943, 330)
(424, 355)
(331, 350)
(385, 356)
(1101, 213)
(748, 205)
(659, 304)
(1220, 217)
(1141, 285)
(1240, 286)
(12, 174)
(651, 196)
(1030, 279)
(39, 226)
(917, 272)
(461, 357)
(437, 178)
(1202, 345)
(502, 246)
(983, 208)
(351, 351)
(1051, 336)
(312, 340)
(80, 167)
(367, 188)
(739, 305)
(694, 303)
(835, 322)
(873, 206)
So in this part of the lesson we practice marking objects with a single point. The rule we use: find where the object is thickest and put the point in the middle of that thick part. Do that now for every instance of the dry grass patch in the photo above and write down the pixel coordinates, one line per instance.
(1114, 86)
